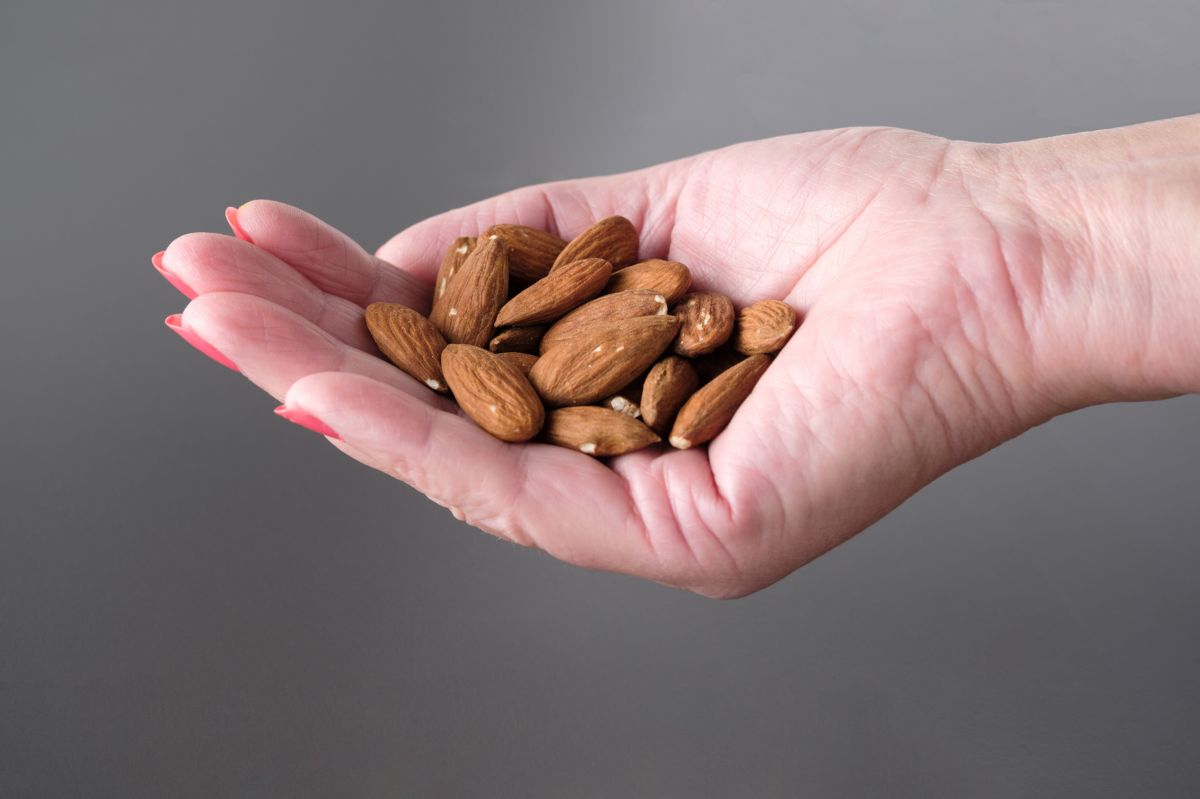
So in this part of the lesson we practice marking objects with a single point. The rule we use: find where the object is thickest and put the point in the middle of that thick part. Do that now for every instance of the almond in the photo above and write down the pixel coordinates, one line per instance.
(409, 340)
(601, 358)
(531, 252)
(452, 261)
(597, 431)
(466, 313)
(493, 392)
(707, 412)
(524, 361)
(610, 307)
(517, 339)
(705, 322)
(669, 278)
(667, 386)
(764, 327)
(614, 239)
(555, 294)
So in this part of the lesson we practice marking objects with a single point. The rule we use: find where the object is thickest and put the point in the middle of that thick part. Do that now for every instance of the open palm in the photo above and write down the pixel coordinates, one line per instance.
(913, 355)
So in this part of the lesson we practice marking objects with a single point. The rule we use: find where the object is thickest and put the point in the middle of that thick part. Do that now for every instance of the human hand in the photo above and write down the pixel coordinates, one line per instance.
(949, 304)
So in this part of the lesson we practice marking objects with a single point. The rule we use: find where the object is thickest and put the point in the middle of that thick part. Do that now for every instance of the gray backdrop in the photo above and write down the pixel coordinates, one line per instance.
(199, 599)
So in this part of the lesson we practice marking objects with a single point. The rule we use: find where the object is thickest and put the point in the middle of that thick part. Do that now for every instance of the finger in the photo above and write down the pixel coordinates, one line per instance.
(334, 262)
(538, 495)
(208, 263)
(647, 197)
(275, 347)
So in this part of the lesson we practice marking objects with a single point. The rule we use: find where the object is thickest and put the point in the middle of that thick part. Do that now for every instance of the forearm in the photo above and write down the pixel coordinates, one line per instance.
(1101, 233)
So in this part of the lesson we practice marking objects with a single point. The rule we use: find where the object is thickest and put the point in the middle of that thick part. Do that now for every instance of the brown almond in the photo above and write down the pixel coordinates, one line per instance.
(531, 252)
(705, 322)
(555, 294)
(764, 327)
(597, 431)
(522, 360)
(668, 385)
(452, 261)
(614, 239)
(466, 313)
(409, 340)
(493, 392)
(517, 339)
(610, 307)
(669, 278)
(601, 358)
(707, 412)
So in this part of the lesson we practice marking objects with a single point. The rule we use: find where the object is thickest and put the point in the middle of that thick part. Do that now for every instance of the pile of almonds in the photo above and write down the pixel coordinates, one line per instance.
(617, 349)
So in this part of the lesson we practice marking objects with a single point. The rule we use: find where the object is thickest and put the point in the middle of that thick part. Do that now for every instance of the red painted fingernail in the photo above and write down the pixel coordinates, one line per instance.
(175, 322)
(172, 278)
(231, 217)
(305, 419)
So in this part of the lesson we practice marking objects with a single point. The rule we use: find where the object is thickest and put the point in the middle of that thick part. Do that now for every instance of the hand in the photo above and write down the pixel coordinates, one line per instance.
(930, 335)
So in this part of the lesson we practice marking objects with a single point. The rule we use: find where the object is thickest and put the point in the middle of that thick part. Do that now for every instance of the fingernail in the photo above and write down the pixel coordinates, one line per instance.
(172, 278)
(175, 322)
(305, 419)
(231, 216)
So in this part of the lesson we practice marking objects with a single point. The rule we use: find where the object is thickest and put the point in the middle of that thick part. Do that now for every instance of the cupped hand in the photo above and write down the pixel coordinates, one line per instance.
(914, 354)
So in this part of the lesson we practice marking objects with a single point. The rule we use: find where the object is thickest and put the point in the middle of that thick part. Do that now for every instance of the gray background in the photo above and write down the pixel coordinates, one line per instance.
(198, 599)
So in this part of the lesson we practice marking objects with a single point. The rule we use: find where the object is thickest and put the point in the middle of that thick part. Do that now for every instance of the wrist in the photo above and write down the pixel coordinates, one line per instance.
(1100, 234)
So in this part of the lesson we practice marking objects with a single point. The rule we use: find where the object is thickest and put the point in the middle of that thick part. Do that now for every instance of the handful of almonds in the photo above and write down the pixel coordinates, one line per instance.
(581, 342)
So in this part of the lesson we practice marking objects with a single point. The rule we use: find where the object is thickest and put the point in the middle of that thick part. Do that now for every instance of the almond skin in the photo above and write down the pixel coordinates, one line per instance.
(555, 294)
(466, 313)
(764, 327)
(493, 392)
(608, 308)
(531, 252)
(614, 239)
(518, 339)
(669, 278)
(668, 385)
(600, 359)
(707, 412)
(409, 340)
(452, 261)
(705, 322)
(597, 431)
(524, 361)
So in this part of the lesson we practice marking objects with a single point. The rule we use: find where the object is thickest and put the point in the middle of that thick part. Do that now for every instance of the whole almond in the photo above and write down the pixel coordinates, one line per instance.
(597, 431)
(764, 327)
(668, 385)
(524, 361)
(610, 307)
(409, 340)
(669, 278)
(707, 412)
(466, 313)
(601, 358)
(614, 239)
(554, 295)
(517, 339)
(531, 252)
(493, 392)
(705, 322)
(451, 262)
